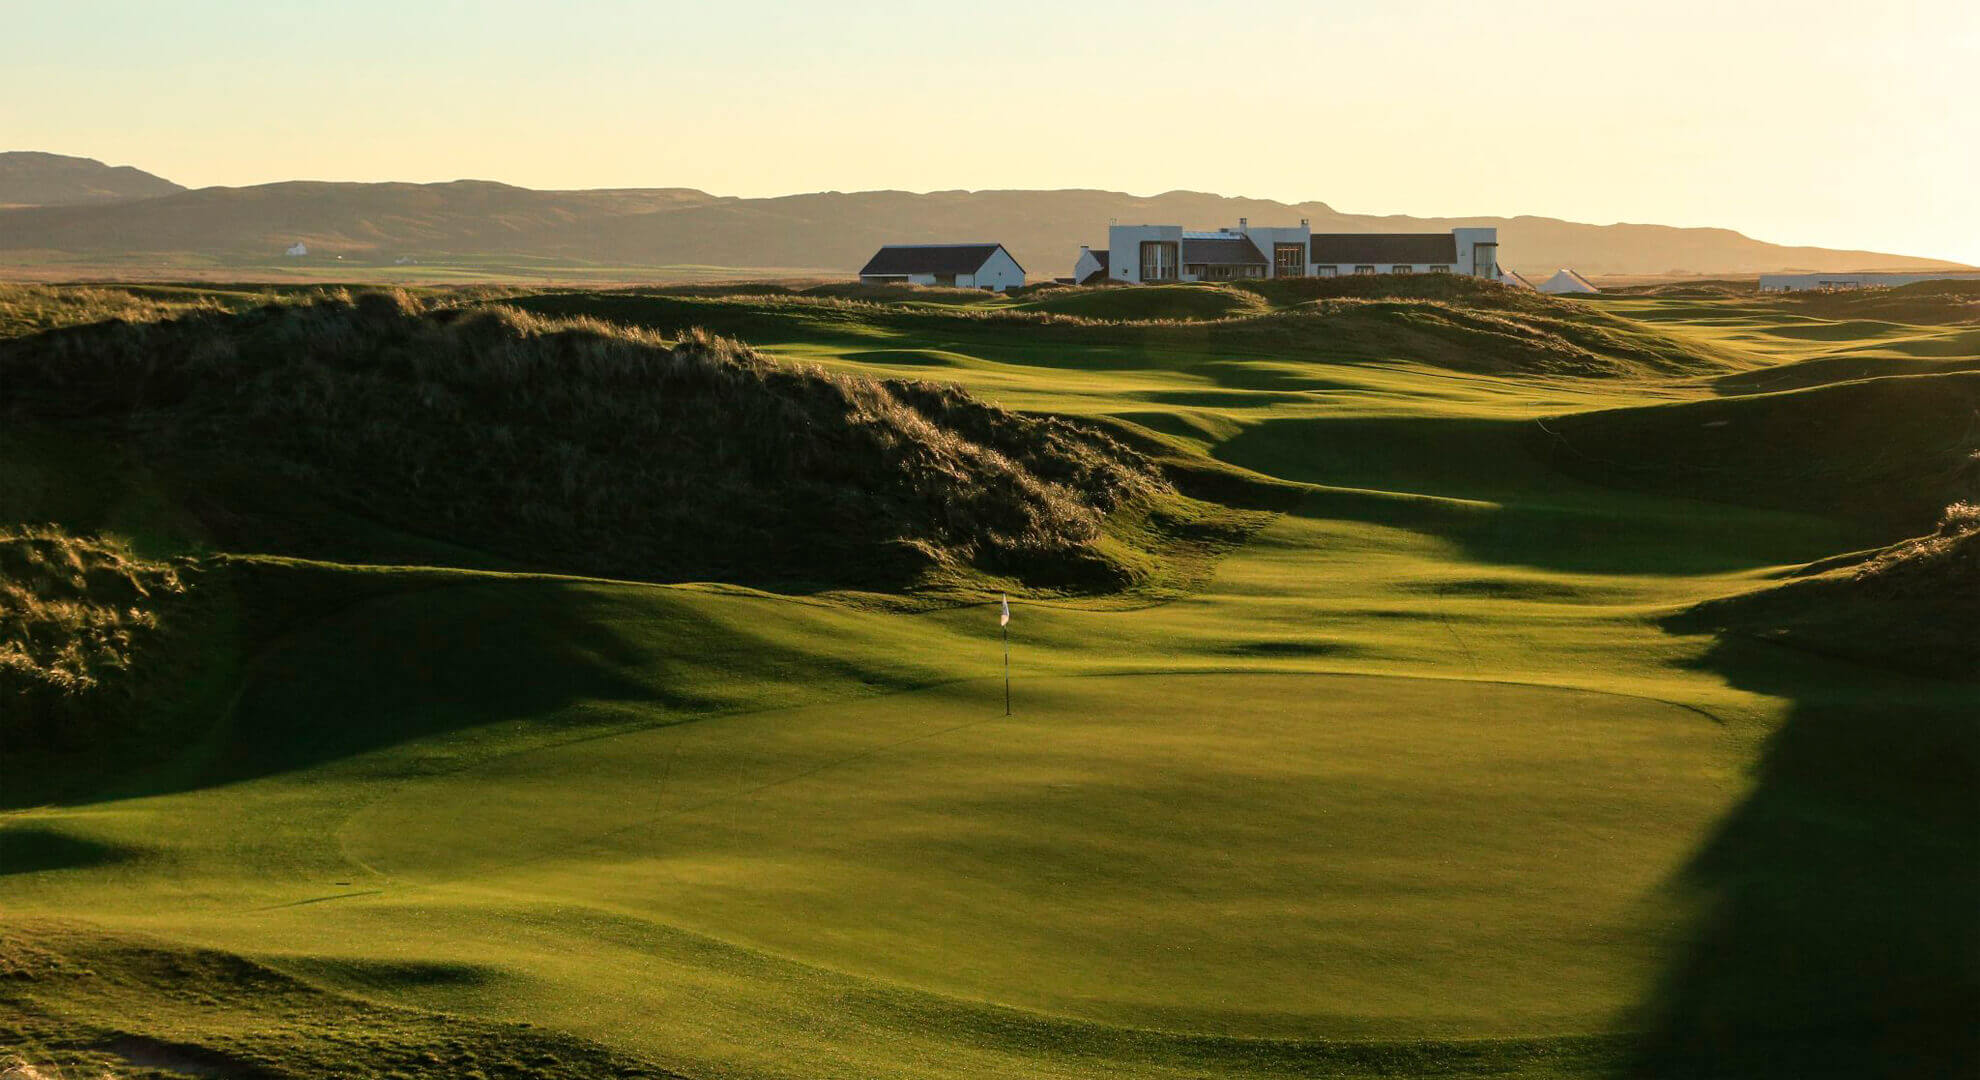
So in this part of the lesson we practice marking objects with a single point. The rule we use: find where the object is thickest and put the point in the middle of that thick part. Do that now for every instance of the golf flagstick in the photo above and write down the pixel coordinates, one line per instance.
(1004, 622)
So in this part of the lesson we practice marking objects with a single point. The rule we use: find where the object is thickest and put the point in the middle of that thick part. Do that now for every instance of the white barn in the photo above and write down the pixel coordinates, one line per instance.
(1152, 253)
(965, 266)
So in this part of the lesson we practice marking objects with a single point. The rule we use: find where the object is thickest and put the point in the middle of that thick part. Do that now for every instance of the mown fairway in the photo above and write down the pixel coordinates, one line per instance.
(1418, 783)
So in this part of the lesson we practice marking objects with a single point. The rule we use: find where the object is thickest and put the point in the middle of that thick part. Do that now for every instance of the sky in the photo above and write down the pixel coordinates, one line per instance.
(1842, 124)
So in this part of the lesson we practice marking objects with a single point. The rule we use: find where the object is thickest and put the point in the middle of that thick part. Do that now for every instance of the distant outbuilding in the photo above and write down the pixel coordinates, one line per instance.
(297, 250)
(1513, 278)
(1567, 281)
(1833, 281)
(1091, 265)
(965, 266)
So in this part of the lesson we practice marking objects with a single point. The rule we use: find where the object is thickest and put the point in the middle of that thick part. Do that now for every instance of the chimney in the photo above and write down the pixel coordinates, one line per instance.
(1244, 223)
(1303, 223)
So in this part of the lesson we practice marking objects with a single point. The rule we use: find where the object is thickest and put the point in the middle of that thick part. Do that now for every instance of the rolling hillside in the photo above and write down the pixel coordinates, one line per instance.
(824, 232)
(32, 178)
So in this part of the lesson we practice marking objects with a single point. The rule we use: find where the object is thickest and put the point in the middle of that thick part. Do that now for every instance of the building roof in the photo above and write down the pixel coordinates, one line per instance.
(1567, 281)
(1339, 249)
(1105, 258)
(929, 259)
(1220, 251)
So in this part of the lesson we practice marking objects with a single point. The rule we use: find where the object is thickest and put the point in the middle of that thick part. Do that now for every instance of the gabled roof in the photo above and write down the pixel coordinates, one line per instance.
(1220, 251)
(930, 259)
(1340, 249)
(1104, 257)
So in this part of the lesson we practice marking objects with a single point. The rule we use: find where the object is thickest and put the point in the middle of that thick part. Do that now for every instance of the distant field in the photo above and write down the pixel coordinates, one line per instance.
(53, 267)
(1427, 777)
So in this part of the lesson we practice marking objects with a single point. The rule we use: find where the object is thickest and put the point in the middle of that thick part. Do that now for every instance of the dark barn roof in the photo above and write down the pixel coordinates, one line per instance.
(1221, 251)
(1347, 248)
(929, 259)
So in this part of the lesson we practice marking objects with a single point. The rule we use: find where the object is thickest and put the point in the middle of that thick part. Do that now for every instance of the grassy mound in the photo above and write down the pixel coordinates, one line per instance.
(209, 1013)
(1146, 303)
(1914, 606)
(1483, 328)
(1447, 288)
(1481, 339)
(1703, 289)
(1930, 303)
(579, 447)
(75, 616)
(1887, 453)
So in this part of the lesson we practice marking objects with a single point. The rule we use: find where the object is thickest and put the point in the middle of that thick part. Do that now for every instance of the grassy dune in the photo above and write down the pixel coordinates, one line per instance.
(1430, 776)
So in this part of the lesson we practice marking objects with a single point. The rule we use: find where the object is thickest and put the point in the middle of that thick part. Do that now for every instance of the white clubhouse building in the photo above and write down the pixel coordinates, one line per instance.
(1156, 253)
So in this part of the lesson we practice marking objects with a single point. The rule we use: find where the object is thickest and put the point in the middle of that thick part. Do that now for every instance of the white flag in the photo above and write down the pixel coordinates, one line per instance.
(1005, 618)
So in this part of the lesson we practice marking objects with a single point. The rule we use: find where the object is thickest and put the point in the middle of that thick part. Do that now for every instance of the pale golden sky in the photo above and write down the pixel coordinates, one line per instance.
(1813, 122)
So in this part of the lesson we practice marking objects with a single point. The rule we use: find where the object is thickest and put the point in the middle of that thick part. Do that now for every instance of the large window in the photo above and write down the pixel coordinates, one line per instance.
(1288, 260)
(1158, 260)
(1364, 268)
(1224, 271)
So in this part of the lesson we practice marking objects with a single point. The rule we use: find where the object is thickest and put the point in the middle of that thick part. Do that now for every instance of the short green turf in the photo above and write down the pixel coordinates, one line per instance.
(1418, 782)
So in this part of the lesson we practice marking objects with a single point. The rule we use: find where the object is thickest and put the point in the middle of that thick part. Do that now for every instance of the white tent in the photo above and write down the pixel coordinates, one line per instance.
(1567, 281)
(1513, 278)
(297, 249)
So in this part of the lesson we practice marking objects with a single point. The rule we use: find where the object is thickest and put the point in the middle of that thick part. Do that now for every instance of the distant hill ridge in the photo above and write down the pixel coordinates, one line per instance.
(824, 231)
(33, 178)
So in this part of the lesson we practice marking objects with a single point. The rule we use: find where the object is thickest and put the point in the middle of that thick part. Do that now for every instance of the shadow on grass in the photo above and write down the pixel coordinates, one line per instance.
(29, 849)
(1840, 925)
(1480, 484)
(334, 662)
(414, 664)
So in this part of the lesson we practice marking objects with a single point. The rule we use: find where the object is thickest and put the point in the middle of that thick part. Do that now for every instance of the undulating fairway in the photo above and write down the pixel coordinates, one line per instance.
(1417, 780)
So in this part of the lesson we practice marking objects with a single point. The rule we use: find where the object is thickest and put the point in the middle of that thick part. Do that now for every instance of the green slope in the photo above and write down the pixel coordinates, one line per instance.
(1421, 780)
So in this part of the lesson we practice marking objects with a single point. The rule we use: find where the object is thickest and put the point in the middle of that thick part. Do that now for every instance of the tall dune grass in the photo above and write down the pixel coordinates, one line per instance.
(581, 446)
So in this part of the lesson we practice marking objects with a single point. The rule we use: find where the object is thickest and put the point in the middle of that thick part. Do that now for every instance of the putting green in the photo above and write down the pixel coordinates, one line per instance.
(1249, 854)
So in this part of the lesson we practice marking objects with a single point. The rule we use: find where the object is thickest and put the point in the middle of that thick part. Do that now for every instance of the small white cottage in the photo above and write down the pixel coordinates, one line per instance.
(297, 250)
(965, 266)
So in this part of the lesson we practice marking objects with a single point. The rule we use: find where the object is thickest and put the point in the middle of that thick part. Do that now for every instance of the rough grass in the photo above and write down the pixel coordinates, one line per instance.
(1914, 606)
(583, 447)
(1440, 320)
(1930, 303)
(1151, 302)
(76, 614)
(26, 309)
(1447, 288)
